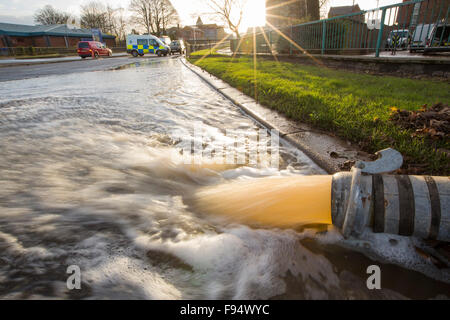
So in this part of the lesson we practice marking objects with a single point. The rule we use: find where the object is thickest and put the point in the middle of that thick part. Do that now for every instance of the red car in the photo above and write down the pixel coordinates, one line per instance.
(86, 48)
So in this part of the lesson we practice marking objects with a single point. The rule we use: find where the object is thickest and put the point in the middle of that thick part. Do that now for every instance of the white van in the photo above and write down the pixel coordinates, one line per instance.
(138, 45)
(420, 37)
(166, 40)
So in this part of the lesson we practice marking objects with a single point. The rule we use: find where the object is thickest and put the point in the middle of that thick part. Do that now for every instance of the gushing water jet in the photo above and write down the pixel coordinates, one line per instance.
(366, 197)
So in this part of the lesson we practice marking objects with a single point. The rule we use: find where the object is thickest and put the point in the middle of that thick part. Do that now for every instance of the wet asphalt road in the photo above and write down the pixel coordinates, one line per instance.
(40, 70)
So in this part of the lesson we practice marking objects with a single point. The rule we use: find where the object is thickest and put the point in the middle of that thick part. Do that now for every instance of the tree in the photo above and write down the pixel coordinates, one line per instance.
(313, 9)
(115, 22)
(322, 3)
(230, 11)
(121, 24)
(168, 15)
(323, 7)
(143, 14)
(49, 15)
(110, 20)
(155, 16)
(94, 15)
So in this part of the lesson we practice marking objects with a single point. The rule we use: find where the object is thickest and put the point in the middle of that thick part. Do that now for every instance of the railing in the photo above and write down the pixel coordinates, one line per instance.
(196, 45)
(31, 51)
(420, 25)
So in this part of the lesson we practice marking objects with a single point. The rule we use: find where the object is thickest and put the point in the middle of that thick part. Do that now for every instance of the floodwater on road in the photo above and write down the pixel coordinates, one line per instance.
(88, 178)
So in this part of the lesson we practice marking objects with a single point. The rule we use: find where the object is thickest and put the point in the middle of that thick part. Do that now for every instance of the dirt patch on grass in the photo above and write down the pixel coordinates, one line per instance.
(431, 123)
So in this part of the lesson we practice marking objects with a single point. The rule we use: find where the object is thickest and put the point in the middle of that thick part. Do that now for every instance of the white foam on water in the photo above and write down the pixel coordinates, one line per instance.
(115, 274)
(12, 246)
(243, 263)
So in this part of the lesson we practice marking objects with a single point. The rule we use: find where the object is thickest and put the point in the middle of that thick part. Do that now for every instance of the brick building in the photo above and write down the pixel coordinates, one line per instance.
(206, 31)
(344, 10)
(190, 33)
(281, 13)
(17, 35)
(427, 11)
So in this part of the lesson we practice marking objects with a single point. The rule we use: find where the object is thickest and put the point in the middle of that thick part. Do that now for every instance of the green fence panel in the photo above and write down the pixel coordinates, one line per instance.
(420, 24)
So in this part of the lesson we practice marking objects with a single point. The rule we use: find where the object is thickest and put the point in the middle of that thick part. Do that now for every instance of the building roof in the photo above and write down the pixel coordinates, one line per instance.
(191, 28)
(343, 10)
(22, 30)
(201, 25)
(210, 26)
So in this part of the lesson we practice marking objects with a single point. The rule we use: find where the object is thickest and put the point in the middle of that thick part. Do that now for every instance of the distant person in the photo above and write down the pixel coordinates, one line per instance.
(395, 43)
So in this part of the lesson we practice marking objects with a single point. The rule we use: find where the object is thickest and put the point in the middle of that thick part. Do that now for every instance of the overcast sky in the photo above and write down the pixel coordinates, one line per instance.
(21, 11)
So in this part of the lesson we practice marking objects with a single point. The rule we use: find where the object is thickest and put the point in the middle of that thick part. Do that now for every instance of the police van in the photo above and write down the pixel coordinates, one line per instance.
(138, 45)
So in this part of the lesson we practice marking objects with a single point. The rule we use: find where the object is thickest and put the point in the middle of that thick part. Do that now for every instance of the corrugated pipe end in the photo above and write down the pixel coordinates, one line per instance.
(416, 206)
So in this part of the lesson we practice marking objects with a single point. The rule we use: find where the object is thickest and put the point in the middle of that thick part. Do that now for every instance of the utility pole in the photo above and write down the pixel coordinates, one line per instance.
(195, 39)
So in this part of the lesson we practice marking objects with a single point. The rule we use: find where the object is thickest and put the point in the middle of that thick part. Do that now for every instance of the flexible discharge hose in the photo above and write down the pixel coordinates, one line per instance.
(397, 204)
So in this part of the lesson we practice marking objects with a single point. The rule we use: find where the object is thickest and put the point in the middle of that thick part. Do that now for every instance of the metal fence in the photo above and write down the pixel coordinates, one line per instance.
(415, 25)
(196, 45)
(31, 51)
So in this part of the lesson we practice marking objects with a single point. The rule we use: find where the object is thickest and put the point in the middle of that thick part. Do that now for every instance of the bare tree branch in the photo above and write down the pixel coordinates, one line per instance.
(49, 15)
(323, 7)
(323, 3)
(154, 15)
(94, 15)
(229, 11)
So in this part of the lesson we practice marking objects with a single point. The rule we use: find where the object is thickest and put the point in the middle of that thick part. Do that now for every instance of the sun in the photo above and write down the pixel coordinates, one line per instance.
(254, 14)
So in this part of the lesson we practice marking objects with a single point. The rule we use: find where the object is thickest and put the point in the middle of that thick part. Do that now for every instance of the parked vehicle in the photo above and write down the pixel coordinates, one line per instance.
(403, 37)
(92, 48)
(439, 40)
(166, 40)
(138, 45)
(420, 37)
(177, 46)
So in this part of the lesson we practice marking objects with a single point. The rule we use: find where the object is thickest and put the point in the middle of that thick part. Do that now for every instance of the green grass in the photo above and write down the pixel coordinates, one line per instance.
(350, 105)
(205, 52)
(201, 52)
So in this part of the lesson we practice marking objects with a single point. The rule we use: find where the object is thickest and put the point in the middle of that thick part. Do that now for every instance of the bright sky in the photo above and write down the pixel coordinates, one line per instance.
(21, 11)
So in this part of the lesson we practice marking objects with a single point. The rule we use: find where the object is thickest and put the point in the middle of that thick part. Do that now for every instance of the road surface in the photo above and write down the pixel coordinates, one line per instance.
(46, 60)
(60, 68)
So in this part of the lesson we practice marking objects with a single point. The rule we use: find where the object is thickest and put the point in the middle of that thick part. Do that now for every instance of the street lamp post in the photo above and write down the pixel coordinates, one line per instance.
(195, 40)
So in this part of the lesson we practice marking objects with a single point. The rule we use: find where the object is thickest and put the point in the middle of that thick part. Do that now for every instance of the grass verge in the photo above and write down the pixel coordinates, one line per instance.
(352, 106)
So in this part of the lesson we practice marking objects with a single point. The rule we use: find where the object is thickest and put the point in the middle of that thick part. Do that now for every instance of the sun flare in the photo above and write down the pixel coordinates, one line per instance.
(254, 14)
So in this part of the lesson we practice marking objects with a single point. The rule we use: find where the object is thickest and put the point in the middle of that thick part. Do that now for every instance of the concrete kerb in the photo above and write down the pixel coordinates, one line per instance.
(328, 152)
